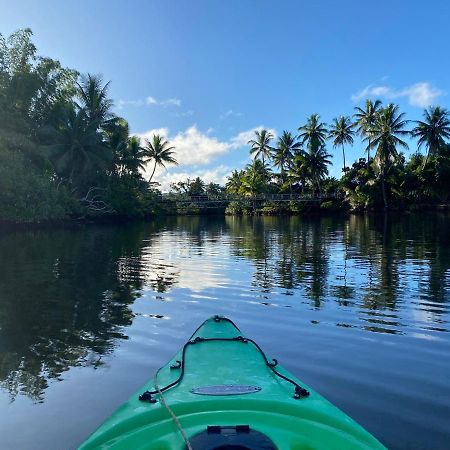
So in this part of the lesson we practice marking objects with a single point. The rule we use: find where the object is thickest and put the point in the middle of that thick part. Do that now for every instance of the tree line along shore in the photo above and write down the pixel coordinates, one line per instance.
(65, 154)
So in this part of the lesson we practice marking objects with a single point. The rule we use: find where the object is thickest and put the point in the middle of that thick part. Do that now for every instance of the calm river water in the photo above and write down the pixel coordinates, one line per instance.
(357, 308)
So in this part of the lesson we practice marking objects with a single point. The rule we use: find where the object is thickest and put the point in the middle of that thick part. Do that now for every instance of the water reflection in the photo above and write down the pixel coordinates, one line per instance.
(65, 298)
(67, 295)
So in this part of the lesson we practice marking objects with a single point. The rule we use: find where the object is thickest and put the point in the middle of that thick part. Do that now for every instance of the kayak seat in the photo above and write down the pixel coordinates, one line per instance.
(238, 437)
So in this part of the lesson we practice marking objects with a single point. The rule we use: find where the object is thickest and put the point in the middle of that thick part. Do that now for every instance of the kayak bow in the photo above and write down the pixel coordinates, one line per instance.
(220, 391)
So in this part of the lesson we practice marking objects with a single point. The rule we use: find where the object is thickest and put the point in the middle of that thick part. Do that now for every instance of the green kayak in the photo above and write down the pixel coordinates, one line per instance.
(220, 391)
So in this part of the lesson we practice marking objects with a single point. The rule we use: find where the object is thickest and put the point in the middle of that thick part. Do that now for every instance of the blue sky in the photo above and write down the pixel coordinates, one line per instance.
(206, 73)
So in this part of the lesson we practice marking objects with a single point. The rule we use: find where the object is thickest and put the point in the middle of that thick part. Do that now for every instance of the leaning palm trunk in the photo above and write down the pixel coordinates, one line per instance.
(383, 189)
(153, 173)
(343, 154)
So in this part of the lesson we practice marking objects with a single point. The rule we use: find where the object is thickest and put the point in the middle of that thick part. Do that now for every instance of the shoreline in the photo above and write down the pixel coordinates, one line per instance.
(7, 225)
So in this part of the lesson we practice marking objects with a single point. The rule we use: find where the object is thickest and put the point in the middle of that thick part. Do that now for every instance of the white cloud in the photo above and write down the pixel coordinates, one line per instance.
(421, 94)
(187, 113)
(230, 113)
(122, 103)
(148, 101)
(215, 175)
(171, 102)
(151, 101)
(194, 148)
(241, 140)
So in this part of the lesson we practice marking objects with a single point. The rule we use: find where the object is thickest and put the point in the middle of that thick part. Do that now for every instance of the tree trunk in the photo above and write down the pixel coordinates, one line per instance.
(368, 156)
(153, 173)
(383, 188)
(343, 154)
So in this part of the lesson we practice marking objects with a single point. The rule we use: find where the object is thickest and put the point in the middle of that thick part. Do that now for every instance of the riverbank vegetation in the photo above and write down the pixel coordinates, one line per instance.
(297, 166)
(64, 154)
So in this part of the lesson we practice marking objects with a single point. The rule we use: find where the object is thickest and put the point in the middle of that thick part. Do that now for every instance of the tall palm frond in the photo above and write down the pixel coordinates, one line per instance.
(260, 147)
(157, 150)
(342, 133)
(314, 133)
(365, 120)
(287, 148)
(433, 130)
(385, 136)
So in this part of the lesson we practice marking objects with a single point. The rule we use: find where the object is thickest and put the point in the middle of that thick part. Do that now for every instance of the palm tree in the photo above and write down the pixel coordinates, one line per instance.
(298, 172)
(385, 134)
(315, 165)
(342, 133)
(254, 179)
(314, 133)
(94, 99)
(234, 183)
(260, 145)
(365, 120)
(287, 147)
(433, 131)
(158, 150)
(78, 153)
(133, 160)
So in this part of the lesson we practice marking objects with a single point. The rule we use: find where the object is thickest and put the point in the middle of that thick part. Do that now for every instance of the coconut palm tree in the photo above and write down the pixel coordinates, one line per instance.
(157, 150)
(386, 135)
(260, 147)
(255, 178)
(314, 133)
(365, 120)
(298, 171)
(433, 131)
(78, 152)
(315, 165)
(234, 183)
(94, 101)
(133, 160)
(342, 133)
(287, 147)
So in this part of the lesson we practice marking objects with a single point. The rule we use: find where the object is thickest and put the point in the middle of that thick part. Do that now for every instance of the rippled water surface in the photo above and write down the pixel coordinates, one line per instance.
(357, 308)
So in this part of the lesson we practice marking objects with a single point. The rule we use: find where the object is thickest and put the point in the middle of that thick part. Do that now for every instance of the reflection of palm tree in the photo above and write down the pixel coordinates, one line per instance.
(84, 315)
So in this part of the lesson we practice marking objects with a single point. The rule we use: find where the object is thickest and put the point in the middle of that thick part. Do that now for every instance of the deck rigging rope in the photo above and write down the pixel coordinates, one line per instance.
(174, 417)
(147, 396)
(299, 391)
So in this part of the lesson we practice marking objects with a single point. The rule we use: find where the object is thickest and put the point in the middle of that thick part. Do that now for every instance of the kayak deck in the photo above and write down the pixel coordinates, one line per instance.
(224, 380)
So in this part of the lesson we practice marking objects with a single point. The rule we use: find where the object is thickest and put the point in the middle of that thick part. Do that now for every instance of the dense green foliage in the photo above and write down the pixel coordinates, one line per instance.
(63, 152)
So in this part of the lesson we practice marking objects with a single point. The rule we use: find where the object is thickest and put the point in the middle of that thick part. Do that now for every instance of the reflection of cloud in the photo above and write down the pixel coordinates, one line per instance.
(199, 274)
(167, 265)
